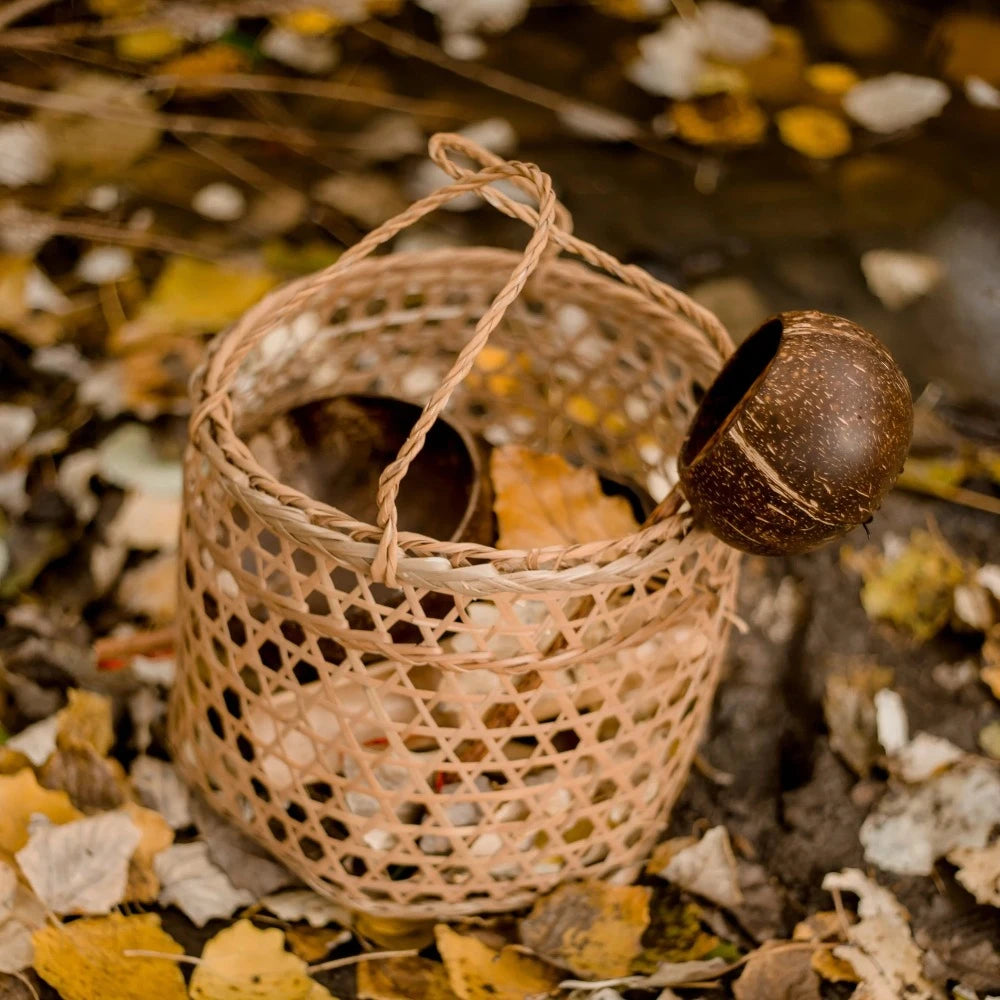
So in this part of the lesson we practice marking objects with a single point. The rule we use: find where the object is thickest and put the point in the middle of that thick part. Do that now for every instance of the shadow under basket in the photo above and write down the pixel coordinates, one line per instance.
(430, 728)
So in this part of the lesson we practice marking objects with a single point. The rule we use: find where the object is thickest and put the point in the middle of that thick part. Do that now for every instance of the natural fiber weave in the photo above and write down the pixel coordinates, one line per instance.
(540, 717)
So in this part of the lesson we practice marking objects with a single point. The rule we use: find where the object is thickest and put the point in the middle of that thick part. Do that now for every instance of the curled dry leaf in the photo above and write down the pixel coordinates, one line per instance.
(881, 949)
(244, 963)
(91, 781)
(404, 979)
(305, 905)
(542, 500)
(707, 869)
(979, 871)
(192, 883)
(85, 960)
(593, 929)
(477, 972)
(81, 866)
(849, 710)
(20, 914)
(21, 797)
(778, 971)
(915, 825)
(924, 756)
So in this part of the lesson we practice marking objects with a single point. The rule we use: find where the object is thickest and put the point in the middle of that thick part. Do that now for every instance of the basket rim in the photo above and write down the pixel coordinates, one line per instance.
(469, 567)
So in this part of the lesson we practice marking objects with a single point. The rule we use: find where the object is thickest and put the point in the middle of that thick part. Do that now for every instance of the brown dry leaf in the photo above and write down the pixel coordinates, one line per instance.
(663, 853)
(393, 934)
(155, 836)
(150, 589)
(708, 869)
(834, 970)
(477, 972)
(824, 925)
(216, 59)
(849, 710)
(404, 979)
(969, 43)
(21, 797)
(778, 971)
(592, 928)
(84, 960)
(721, 120)
(86, 721)
(813, 132)
(244, 963)
(542, 500)
(92, 782)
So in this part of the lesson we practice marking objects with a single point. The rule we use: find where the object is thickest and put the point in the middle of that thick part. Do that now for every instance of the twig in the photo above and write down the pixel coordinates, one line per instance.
(12, 93)
(119, 236)
(349, 93)
(19, 8)
(114, 647)
(365, 956)
(953, 494)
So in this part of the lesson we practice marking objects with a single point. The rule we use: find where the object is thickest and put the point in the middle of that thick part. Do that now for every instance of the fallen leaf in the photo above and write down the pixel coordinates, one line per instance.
(21, 797)
(192, 883)
(914, 825)
(161, 789)
(707, 869)
(313, 944)
(86, 721)
(675, 934)
(150, 589)
(592, 928)
(968, 43)
(404, 979)
(813, 132)
(979, 871)
(178, 302)
(824, 925)
(778, 971)
(95, 145)
(213, 60)
(304, 904)
(831, 79)
(477, 972)
(913, 587)
(85, 960)
(128, 457)
(148, 44)
(670, 60)
(827, 966)
(542, 500)
(155, 836)
(776, 76)
(899, 277)
(861, 28)
(80, 866)
(989, 739)
(92, 782)
(849, 710)
(890, 103)
(394, 934)
(38, 741)
(881, 949)
(244, 963)
(720, 120)
(20, 915)
(244, 862)
(924, 756)
(146, 522)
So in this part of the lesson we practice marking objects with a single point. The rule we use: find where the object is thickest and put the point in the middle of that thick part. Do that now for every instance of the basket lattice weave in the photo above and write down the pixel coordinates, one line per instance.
(540, 718)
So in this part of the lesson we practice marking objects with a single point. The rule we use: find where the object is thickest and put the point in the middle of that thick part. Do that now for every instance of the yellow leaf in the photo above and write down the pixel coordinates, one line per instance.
(148, 44)
(835, 970)
(914, 588)
(212, 60)
(492, 359)
(831, 78)
(156, 835)
(969, 44)
(84, 960)
(477, 972)
(860, 28)
(593, 928)
(86, 721)
(776, 76)
(244, 963)
(309, 21)
(404, 979)
(393, 934)
(722, 120)
(20, 798)
(582, 410)
(194, 295)
(813, 132)
(542, 500)
(312, 944)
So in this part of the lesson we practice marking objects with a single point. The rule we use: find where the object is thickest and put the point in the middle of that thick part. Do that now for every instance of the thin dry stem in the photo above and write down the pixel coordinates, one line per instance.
(365, 956)
(138, 643)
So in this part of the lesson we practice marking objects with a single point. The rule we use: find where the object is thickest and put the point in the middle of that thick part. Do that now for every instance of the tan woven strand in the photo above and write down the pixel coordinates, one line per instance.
(422, 727)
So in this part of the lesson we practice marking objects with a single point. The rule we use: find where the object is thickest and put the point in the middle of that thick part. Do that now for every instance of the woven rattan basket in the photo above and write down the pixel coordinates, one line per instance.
(540, 727)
